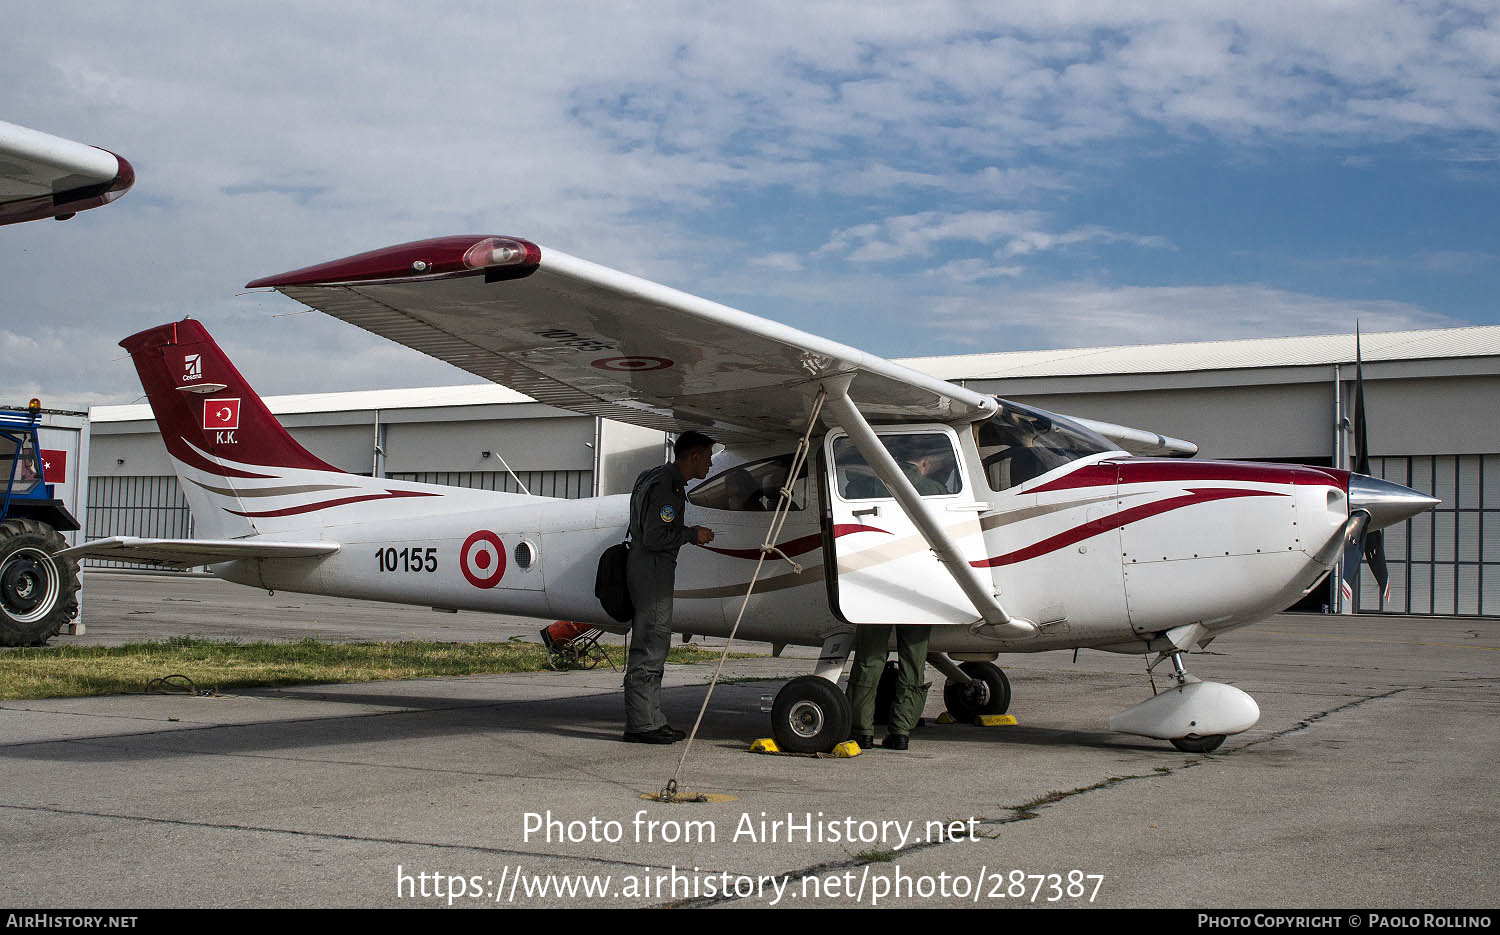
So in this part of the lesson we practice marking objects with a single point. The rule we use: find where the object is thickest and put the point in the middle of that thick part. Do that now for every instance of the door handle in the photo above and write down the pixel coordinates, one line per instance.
(873, 510)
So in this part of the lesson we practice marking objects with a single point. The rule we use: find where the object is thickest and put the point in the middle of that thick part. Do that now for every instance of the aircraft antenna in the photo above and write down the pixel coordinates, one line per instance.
(512, 474)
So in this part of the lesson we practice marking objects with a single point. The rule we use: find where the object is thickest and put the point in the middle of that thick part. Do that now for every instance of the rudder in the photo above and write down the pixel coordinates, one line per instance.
(222, 438)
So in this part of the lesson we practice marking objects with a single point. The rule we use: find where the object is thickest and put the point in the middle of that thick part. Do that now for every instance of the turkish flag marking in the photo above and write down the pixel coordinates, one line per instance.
(221, 414)
(54, 466)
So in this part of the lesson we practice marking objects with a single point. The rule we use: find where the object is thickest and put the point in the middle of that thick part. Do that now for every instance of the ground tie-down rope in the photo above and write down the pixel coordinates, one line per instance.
(670, 792)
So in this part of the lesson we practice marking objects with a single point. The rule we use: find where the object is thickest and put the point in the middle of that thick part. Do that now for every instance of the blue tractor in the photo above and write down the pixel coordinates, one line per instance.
(38, 590)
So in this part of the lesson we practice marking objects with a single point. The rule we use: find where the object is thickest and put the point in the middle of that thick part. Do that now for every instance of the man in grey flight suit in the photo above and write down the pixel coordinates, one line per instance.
(657, 531)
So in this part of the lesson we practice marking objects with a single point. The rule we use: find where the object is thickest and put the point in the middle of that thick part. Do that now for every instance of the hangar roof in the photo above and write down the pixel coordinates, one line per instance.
(1474, 341)
(1440, 343)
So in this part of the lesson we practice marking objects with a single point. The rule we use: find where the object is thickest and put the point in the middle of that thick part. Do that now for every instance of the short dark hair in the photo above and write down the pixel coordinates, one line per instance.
(689, 442)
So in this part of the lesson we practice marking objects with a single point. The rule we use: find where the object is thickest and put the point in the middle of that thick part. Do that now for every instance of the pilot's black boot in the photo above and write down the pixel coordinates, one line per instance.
(896, 741)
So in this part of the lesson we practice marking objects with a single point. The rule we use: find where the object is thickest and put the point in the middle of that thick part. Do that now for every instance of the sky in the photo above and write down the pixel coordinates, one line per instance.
(912, 179)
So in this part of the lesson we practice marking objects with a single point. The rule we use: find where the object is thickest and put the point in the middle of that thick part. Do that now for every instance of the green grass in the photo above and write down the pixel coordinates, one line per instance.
(76, 671)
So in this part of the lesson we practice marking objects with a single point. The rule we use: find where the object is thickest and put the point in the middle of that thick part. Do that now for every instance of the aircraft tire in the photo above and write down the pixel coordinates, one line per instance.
(810, 715)
(1196, 744)
(38, 591)
(991, 696)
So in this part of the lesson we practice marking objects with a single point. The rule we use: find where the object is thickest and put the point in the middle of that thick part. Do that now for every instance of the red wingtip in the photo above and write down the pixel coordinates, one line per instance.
(439, 257)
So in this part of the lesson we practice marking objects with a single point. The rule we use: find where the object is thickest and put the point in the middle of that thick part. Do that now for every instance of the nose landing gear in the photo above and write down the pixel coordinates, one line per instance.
(1194, 715)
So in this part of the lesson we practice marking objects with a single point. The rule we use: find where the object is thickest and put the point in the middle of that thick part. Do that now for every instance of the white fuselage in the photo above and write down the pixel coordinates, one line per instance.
(1105, 552)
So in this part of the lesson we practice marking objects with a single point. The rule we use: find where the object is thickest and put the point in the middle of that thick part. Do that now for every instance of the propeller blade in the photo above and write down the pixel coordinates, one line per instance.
(1375, 558)
(1361, 436)
(1354, 543)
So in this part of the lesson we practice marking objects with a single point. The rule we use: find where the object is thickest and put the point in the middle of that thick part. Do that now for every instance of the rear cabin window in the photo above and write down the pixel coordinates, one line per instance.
(753, 487)
(927, 459)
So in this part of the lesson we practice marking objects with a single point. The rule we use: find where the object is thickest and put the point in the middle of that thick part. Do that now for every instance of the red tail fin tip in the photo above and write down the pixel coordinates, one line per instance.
(206, 410)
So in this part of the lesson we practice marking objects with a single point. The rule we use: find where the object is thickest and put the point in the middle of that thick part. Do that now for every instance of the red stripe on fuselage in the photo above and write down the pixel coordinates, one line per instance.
(314, 507)
(1122, 518)
(1149, 470)
(802, 544)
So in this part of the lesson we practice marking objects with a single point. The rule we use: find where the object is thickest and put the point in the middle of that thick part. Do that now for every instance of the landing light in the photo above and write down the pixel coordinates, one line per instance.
(495, 251)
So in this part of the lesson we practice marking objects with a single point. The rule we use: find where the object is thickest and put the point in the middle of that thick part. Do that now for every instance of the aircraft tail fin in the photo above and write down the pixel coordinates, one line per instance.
(241, 472)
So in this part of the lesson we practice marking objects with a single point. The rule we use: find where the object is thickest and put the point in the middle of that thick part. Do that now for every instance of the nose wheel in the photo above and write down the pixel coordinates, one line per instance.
(1194, 715)
(1196, 744)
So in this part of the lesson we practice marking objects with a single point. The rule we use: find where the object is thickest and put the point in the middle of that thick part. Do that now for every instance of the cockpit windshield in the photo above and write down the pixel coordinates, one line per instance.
(1019, 443)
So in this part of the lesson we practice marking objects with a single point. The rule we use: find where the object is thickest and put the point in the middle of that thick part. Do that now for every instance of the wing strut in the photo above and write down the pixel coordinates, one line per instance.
(997, 623)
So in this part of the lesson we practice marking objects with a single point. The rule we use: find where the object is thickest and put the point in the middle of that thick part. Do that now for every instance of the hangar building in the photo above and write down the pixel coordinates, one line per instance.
(1432, 398)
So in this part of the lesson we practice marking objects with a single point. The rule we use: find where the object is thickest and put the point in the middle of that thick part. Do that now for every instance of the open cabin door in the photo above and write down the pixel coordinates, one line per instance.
(884, 571)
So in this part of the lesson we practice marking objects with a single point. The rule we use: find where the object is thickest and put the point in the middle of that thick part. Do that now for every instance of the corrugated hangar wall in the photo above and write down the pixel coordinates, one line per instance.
(133, 490)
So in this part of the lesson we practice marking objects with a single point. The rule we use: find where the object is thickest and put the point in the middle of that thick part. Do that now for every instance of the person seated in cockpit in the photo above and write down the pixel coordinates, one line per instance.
(744, 493)
(1026, 460)
(925, 467)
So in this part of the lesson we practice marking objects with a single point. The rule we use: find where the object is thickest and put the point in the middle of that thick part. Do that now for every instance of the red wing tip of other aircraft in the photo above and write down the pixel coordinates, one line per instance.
(438, 257)
(64, 204)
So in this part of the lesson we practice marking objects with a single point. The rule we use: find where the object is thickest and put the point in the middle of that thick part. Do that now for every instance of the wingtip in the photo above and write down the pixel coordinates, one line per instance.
(437, 257)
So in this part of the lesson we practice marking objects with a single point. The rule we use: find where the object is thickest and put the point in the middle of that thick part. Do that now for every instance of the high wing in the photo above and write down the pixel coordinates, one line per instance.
(45, 176)
(586, 338)
(1139, 441)
(186, 553)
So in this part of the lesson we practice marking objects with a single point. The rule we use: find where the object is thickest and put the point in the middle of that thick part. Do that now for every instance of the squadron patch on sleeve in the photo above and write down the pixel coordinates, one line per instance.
(668, 514)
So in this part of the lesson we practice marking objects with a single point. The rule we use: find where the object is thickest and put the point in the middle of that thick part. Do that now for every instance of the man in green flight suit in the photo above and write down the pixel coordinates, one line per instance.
(657, 531)
(923, 463)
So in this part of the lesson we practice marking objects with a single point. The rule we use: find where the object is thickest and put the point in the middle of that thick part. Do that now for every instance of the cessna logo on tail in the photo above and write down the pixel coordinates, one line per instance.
(192, 367)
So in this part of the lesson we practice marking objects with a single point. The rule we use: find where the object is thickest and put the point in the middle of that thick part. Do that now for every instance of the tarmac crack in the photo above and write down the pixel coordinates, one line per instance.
(1030, 810)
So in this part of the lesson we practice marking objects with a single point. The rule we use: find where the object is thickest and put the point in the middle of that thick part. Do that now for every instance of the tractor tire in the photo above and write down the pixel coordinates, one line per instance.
(38, 590)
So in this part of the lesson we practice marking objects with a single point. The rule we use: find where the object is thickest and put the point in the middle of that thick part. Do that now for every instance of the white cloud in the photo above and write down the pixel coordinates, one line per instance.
(270, 137)
(918, 235)
(1087, 315)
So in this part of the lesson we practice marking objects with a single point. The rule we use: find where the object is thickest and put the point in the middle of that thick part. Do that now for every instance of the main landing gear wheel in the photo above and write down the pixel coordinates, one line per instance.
(38, 591)
(1196, 744)
(810, 715)
(988, 693)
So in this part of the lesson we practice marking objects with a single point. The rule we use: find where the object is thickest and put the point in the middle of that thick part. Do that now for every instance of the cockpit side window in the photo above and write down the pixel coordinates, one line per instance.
(1020, 443)
(753, 487)
(18, 464)
(927, 459)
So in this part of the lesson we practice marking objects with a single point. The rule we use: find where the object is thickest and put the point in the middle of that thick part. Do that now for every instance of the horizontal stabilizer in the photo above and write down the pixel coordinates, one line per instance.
(186, 553)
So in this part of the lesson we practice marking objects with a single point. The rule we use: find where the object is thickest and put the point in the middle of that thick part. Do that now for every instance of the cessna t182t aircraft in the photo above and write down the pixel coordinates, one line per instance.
(1030, 532)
